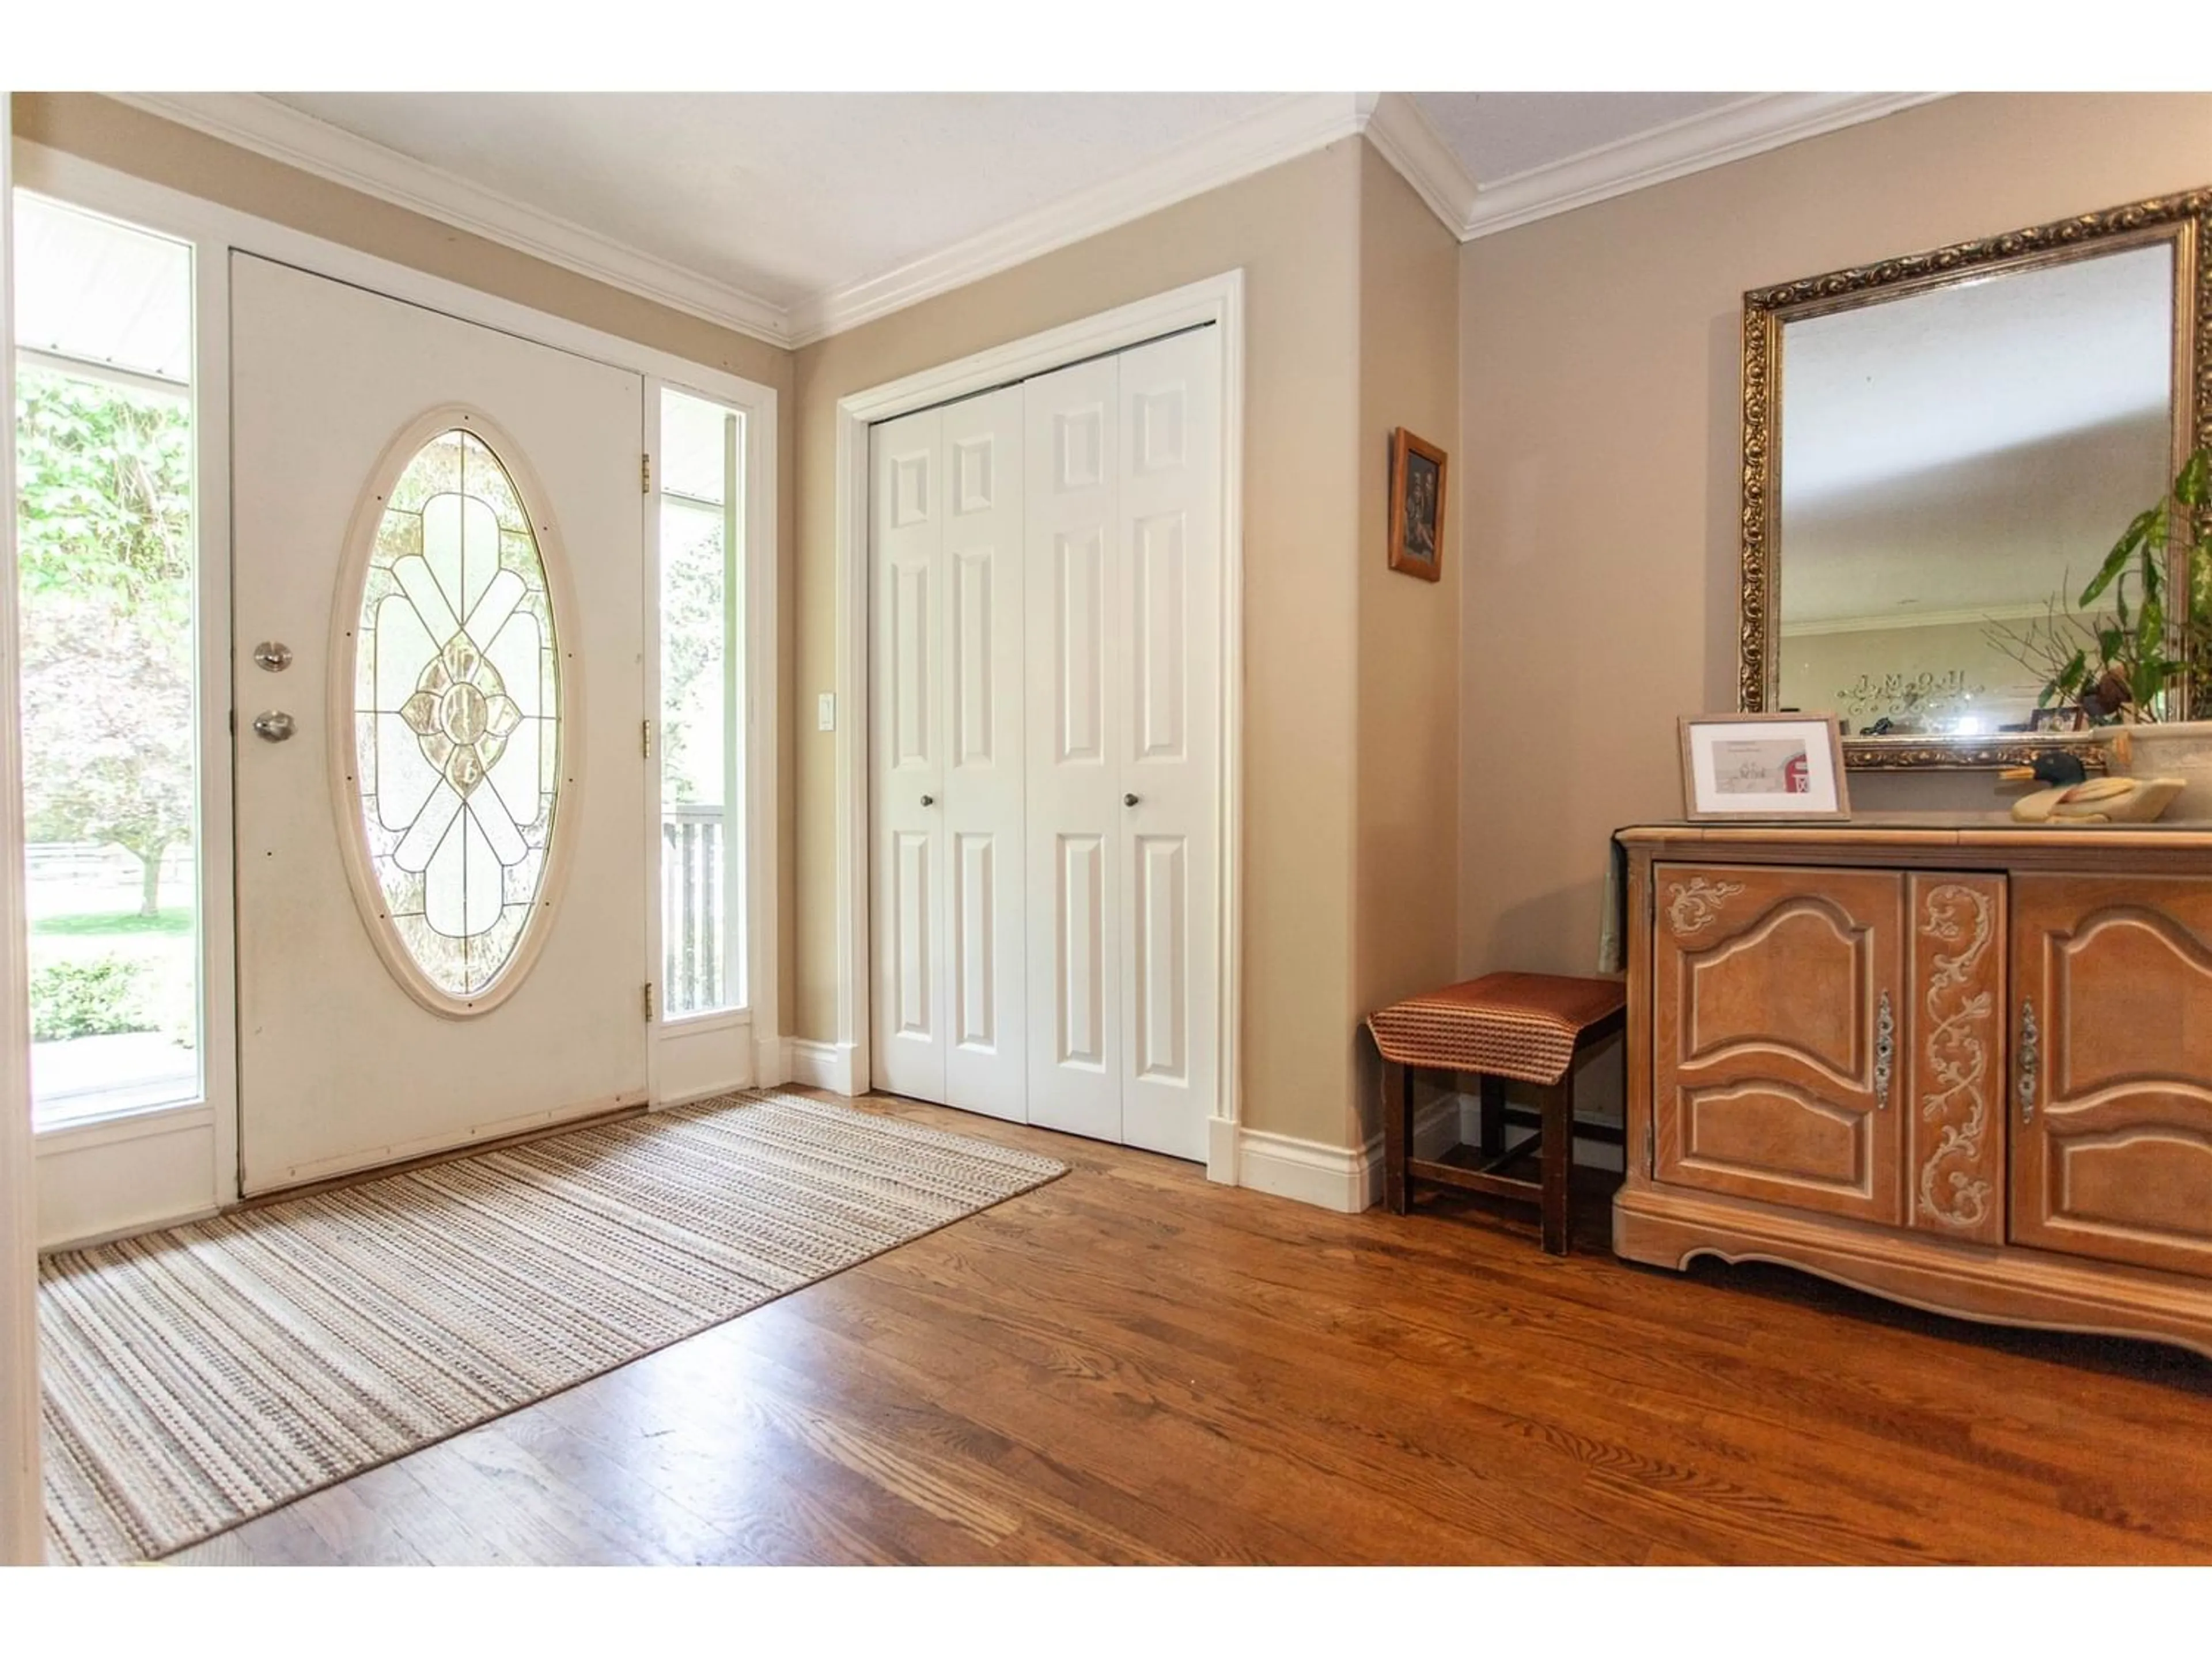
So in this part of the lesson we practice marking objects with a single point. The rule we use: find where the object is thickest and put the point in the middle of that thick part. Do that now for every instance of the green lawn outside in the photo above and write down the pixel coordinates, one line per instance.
(164, 948)
(108, 924)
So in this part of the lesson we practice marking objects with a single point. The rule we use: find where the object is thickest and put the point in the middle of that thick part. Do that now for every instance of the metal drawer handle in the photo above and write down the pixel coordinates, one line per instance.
(1885, 1052)
(2028, 1037)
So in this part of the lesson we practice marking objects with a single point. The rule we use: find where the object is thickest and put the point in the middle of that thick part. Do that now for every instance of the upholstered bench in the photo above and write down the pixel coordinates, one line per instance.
(1527, 1027)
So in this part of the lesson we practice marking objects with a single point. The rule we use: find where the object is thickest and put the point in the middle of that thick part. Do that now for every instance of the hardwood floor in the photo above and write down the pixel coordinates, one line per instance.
(1132, 1365)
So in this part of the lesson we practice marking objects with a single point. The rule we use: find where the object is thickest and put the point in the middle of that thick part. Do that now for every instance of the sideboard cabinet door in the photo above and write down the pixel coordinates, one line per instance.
(1778, 1036)
(2111, 1097)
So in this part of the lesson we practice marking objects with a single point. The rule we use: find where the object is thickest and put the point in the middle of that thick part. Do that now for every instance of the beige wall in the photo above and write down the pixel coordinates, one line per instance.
(1405, 873)
(1295, 231)
(1600, 361)
(131, 140)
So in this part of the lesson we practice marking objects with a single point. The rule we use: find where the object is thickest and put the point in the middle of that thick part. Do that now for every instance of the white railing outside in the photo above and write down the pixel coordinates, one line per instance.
(694, 909)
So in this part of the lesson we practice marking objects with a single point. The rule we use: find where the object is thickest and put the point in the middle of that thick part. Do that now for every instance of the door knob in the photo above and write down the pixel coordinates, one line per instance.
(274, 727)
(929, 800)
(274, 655)
(1128, 800)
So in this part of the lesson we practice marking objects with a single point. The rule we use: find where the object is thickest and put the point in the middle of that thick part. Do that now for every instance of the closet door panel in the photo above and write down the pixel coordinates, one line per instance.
(1167, 687)
(1072, 446)
(908, 1004)
(986, 1054)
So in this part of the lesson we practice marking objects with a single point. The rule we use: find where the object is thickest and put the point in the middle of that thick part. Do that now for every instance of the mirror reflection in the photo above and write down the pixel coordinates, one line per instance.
(1954, 465)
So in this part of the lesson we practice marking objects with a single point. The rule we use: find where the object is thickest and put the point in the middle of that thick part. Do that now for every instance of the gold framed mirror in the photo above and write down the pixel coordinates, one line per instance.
(1938, 452)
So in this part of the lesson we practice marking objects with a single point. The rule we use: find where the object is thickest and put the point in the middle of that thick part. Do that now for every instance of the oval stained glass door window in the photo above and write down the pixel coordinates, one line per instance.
(457, 717)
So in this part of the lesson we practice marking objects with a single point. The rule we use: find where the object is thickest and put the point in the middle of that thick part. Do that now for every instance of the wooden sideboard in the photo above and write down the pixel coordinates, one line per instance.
(1949, 1061)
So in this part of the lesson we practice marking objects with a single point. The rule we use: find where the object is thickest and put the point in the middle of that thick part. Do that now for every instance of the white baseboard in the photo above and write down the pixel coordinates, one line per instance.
(771, 1061)
(1590, 1154)
(1332, 1177)
(1438, 1127)
(1336, 1178)
(1347, 1182)
(822, 1065)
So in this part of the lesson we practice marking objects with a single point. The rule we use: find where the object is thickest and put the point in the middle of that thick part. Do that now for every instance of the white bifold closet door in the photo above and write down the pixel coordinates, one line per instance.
(1124, 667)
(947, 770)
(1047, 765)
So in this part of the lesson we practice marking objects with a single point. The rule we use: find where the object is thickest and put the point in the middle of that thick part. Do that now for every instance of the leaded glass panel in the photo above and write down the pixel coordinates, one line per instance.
(458, 696)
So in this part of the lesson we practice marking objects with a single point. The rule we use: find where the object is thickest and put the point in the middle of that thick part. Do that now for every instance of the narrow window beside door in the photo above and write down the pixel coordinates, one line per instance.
(109, 571)
(702, 725)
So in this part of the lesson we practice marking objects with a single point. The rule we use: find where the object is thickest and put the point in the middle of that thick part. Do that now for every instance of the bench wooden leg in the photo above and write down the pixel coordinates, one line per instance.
(1397, 1127)
(1558, 1160)
(1493, 1114)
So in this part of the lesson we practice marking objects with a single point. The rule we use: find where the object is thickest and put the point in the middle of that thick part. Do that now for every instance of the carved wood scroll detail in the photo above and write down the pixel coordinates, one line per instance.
(1695, 905)
(1960, 1019)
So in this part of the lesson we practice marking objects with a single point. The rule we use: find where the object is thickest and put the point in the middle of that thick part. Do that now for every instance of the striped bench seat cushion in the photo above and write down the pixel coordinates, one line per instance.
(1522, 1026)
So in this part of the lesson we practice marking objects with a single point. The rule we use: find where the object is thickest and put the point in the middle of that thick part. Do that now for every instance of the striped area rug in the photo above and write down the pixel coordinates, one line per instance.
(200, 1376)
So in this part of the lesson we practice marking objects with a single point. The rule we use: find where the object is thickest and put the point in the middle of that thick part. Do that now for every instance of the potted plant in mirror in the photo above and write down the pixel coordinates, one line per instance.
(2127, 657)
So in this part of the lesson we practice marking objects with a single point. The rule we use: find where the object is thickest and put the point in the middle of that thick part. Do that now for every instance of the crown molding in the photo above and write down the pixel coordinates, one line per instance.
(254, 122)
(1765, 122)
(1401, 134)
(1290, 127)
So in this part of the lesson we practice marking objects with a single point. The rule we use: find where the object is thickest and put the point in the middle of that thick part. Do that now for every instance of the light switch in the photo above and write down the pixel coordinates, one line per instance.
(825, 712)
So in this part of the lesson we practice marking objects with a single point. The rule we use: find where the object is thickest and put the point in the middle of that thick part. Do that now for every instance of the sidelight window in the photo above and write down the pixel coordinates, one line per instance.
(703, 630)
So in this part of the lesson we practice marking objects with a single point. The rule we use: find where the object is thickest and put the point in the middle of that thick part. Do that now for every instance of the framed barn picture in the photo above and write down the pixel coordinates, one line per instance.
(1417, 505)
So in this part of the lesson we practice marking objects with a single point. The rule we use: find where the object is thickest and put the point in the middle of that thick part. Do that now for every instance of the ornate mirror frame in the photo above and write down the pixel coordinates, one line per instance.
(2182, 221)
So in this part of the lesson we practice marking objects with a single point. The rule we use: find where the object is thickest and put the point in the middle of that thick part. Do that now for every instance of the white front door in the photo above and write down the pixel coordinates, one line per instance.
(468, 960)
(946, 778)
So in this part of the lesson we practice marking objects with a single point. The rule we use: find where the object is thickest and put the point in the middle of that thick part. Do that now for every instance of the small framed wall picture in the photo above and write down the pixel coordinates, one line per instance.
(1763, 766)
(1417, 505)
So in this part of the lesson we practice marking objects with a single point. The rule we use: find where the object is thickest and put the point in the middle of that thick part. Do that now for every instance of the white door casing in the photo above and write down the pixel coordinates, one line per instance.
(1072, 436)
(340, 1068)
(1167, 693)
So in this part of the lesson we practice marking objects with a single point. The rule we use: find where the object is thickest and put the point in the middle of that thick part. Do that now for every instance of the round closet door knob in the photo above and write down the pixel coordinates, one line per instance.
(1128, 800)
(929, 800)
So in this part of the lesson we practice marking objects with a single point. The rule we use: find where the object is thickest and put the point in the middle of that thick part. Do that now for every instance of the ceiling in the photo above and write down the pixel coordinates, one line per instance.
(782, 194)
(791, 216)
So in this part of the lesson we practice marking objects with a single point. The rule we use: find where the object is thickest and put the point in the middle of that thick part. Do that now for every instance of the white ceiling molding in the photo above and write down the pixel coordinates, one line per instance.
(1290, 127)
(262, 125)
(1398, 128)
(1765, 122)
